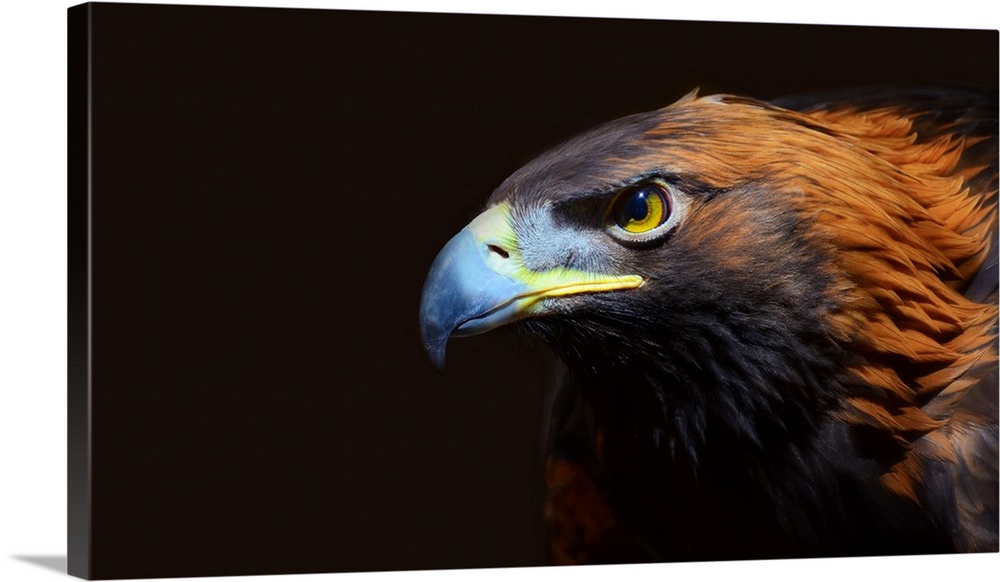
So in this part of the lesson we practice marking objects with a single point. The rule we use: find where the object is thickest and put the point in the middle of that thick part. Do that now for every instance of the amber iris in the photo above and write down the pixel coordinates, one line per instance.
(641, 208)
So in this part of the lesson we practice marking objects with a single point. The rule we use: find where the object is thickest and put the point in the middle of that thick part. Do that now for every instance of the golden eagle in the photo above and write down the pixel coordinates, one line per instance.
(777, 323)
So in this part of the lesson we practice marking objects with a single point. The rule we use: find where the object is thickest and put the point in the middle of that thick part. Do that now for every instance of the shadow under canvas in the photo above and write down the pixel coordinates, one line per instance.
(54, 563)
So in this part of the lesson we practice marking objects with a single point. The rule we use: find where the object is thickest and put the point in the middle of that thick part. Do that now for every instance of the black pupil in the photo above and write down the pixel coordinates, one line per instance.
(635, 207)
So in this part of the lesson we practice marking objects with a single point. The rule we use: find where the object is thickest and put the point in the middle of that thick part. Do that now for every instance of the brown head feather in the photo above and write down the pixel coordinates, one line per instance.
(825, 312)
(906, 232)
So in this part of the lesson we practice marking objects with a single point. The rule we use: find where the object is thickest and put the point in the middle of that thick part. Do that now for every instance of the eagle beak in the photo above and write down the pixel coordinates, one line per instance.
(479, 282)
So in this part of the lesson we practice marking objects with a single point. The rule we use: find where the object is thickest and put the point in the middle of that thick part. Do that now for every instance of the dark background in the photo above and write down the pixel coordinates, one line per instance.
(269, 188)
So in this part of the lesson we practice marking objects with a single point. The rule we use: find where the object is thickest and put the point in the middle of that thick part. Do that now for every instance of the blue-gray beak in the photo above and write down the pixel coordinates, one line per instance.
(479, 282)
(467, 291)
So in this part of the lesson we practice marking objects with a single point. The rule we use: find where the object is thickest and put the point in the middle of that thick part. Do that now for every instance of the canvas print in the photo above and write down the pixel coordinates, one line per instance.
(367, 291)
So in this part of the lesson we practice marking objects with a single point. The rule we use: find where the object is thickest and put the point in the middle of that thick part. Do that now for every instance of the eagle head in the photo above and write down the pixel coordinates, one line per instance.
(732, 274)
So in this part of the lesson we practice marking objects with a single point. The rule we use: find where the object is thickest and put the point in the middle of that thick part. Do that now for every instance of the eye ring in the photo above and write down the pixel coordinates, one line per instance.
(639, 212)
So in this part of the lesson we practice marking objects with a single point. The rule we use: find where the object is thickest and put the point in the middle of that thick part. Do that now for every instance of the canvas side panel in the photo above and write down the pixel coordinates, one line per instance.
(78, 349)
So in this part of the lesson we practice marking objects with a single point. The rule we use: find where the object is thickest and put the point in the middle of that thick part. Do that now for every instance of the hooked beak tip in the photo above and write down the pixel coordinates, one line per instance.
(436, 349)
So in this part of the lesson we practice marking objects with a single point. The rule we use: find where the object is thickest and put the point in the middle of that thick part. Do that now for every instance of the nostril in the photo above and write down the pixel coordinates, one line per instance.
(499, 250)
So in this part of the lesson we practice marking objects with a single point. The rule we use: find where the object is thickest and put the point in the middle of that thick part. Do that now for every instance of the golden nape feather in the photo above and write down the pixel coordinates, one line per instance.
(809, 367)
(908, 225)
(907, 233)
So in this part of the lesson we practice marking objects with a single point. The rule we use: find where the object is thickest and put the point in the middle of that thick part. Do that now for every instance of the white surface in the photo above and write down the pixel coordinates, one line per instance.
(33, 282)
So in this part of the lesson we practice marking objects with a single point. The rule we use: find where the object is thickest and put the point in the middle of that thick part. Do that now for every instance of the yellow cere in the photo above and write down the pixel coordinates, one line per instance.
(561, 281)
(493, 229)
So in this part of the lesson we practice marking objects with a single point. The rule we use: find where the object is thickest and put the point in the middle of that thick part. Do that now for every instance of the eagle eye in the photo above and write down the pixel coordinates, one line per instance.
(640, 208)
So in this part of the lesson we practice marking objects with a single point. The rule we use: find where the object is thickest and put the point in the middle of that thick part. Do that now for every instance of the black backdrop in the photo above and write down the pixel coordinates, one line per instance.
(267, 190)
